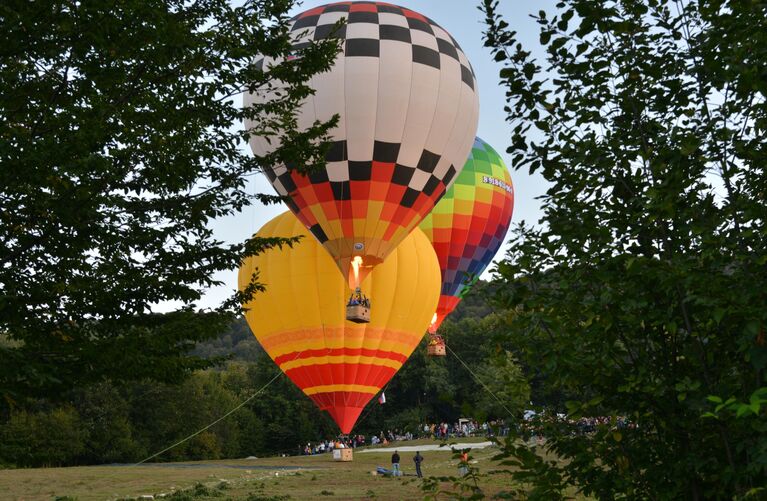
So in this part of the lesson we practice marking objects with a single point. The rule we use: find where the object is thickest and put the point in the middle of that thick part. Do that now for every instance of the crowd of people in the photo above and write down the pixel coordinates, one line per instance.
(465, 428)
(342, 442)
(462, 428)
(534, 427)
(355, 441)
(437, 431)
(590, 424)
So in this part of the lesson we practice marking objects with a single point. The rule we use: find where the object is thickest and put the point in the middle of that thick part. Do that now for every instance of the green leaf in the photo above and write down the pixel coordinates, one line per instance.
(742, 410)
(689, 145)
(529, 70)
(558, 43)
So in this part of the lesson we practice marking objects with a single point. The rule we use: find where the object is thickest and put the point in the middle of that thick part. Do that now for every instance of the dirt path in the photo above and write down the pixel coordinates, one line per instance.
(429, 447)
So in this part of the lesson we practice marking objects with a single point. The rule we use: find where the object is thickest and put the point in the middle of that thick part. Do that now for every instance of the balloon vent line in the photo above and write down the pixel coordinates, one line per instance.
(476, 378)
(238, 407)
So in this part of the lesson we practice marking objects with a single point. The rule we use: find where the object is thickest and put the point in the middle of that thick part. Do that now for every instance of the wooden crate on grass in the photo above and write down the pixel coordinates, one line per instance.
(342, 454)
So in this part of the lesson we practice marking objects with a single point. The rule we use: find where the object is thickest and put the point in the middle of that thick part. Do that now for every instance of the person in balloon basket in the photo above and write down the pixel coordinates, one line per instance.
(395, 465)
(418, 459)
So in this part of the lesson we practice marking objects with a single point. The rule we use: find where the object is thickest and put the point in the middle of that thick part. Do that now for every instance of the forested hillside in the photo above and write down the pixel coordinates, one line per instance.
(127, 422)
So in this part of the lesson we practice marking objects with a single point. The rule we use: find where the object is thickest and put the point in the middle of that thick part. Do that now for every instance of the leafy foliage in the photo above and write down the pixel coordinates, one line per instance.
(641, 294)
(125, 424)
(120, 141)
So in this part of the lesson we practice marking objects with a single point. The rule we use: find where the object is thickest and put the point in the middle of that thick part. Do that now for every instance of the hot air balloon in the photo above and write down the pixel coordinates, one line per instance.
(467, 227)
(406, 96)
(340, 365)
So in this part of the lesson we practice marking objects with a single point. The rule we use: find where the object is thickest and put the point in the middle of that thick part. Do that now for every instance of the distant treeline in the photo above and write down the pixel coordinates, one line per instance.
(127, 422)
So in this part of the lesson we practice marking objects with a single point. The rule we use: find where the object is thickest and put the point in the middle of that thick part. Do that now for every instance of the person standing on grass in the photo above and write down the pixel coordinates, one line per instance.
(418, 459)
(395, 464)
(463, 465)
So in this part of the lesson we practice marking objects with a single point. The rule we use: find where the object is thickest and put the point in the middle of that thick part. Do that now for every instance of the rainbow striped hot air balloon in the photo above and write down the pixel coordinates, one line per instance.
(299, 319)
(469, 224)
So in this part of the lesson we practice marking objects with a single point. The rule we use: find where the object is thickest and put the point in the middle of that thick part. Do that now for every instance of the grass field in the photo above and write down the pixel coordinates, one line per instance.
(249, 479)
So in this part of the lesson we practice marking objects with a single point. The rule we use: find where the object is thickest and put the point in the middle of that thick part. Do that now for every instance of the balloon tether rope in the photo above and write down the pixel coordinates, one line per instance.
(476, 378)
(213, 423)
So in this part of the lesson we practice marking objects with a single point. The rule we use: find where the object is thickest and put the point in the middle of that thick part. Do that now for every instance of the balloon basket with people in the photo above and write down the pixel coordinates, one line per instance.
(436, 346)
(358, 308)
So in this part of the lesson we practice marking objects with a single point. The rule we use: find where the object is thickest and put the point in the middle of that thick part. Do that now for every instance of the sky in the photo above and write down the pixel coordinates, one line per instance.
(463, 20)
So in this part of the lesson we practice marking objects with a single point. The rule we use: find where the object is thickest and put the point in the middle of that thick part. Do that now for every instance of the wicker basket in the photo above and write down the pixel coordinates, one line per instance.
(436, 350)
(358, 313)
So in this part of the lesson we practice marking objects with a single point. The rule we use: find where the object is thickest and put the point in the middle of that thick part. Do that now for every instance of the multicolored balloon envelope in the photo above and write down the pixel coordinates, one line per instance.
(300, 322)
(408, 106)
(469, 224)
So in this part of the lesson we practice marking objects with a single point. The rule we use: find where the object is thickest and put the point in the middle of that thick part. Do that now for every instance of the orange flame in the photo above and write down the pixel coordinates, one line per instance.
(356, 263)
(432, 330)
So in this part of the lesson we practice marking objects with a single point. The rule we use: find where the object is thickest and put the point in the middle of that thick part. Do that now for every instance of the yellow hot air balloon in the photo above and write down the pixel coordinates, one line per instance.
(300, 319)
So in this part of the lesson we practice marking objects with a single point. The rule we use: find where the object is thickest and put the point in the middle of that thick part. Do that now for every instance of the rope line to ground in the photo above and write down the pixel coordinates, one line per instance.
(238, 407)
(476, 378)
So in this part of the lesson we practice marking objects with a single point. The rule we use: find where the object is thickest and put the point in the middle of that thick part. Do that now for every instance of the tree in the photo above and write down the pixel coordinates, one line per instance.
(120, 142)
(510, 390)
(641, 292)
(104, 416)
(49, 438)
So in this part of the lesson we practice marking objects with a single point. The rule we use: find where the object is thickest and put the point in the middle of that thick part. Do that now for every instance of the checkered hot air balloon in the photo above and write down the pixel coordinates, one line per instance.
(340, 365)
(408, 105)
(469, 224)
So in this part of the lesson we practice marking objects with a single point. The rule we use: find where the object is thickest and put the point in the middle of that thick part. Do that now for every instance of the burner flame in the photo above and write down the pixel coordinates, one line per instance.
(356, 263)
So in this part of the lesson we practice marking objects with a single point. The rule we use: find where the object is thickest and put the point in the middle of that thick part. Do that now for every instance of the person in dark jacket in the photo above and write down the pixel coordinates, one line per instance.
(395, 464)
(418, 459)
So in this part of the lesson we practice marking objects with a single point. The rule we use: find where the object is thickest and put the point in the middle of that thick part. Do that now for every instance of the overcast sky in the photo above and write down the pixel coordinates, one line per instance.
(464, 21)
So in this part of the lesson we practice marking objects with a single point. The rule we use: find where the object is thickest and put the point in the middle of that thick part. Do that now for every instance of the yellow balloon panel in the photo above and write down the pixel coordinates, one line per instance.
(300, 319)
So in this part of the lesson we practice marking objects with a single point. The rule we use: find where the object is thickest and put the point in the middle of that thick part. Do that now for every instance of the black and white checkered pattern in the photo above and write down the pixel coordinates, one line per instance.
(340, 171)
(394, 55)
(366, 31)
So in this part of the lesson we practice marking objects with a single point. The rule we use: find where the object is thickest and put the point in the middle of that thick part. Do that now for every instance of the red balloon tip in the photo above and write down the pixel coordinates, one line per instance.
(345, 417)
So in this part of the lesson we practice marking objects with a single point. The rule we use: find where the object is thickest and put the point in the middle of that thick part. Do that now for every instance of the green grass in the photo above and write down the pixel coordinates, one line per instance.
(321, 478)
